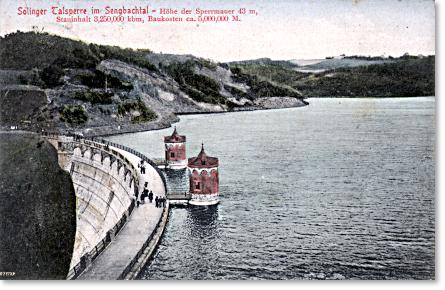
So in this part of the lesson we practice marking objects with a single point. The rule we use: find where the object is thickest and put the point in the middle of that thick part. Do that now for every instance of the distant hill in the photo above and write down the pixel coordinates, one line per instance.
(266, 61)
(336, 63)
(353, 76)
(28, 50)
(401, 77)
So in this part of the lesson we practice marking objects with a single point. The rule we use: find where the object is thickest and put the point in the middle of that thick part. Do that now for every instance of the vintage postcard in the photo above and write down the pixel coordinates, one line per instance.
(217, 140)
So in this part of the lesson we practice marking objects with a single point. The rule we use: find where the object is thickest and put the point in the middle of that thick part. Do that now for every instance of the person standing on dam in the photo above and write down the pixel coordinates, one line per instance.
(150, 196)
(144, 194)
(136, 195)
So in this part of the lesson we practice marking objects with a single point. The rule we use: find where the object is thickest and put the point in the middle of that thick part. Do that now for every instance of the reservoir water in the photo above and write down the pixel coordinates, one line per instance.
(339, 189)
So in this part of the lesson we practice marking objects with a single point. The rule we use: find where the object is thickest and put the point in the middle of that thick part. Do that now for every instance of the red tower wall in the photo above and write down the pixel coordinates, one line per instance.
(208, 183)
(178, 151)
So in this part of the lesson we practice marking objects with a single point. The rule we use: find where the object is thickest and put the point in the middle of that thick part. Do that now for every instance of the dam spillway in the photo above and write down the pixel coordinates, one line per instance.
(114, 238)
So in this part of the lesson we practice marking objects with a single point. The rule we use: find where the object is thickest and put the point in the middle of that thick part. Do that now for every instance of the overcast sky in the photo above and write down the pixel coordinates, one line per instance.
(282, 30)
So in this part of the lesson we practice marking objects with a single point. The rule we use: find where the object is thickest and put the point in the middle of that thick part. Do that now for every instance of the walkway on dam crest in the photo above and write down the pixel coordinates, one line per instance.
(110, 264)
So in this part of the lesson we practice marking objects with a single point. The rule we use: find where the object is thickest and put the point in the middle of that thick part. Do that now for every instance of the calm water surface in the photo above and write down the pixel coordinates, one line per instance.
(340, 189)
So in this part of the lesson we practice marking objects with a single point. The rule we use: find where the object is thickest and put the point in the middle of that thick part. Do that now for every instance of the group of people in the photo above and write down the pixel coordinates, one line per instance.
(141, 165)
(145, 194)
(160, 201)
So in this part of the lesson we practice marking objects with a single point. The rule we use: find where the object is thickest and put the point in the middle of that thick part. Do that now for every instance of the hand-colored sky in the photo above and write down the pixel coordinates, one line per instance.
(283, 29)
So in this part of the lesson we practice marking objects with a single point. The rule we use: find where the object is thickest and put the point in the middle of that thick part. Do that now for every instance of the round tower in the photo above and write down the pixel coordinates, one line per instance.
(175, 157)
(204, 180)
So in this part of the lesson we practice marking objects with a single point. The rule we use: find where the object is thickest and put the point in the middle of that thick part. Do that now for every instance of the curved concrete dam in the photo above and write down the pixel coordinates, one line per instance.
(114, 237)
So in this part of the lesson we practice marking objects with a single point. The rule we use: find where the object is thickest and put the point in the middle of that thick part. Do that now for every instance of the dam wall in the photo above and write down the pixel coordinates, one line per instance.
(105, 183)
(137, 240)
(114, 238)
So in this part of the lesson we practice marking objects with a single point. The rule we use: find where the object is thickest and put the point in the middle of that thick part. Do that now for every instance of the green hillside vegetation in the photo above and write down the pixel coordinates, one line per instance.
(73, 114)
(128, 107)
(406, 77)
(16, 106)
(94, 97)
(202, 62)
(261, 82)
(50, 59)
(265, 62)
(403, 77)
(362, 57)
(199, 87)
(272, 72)
(97, 79)
(28, 50)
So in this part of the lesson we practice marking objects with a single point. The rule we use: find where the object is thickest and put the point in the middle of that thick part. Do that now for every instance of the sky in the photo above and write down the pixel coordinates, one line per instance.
(283, 29)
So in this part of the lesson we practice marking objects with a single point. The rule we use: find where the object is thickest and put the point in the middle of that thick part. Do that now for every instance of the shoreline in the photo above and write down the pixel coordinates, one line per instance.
(304, 103)
(364, 98)
(251, 109)
(169, 122)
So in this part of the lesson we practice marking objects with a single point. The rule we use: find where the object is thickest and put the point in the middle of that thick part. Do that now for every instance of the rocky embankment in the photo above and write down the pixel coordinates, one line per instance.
(34, 108)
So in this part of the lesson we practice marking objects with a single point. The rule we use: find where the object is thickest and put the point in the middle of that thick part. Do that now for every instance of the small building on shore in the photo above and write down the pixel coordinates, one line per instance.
(175, 153)
(203, 179)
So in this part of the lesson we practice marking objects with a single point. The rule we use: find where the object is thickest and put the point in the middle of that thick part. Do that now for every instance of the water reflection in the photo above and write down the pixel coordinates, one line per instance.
(203, 230)
(203, 220)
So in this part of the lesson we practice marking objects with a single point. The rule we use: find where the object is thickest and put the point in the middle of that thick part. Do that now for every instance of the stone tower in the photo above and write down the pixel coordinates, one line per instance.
(203, 178)
(175, 156)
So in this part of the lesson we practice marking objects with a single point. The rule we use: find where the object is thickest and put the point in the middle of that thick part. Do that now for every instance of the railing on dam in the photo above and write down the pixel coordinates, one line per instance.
(87, 259)
(135, 259)
(90, 256)
(100, 141)
(138, 154)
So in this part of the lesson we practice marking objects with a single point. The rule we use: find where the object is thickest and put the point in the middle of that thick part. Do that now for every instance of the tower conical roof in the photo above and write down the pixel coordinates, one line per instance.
(174, 137)
(203, 160)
